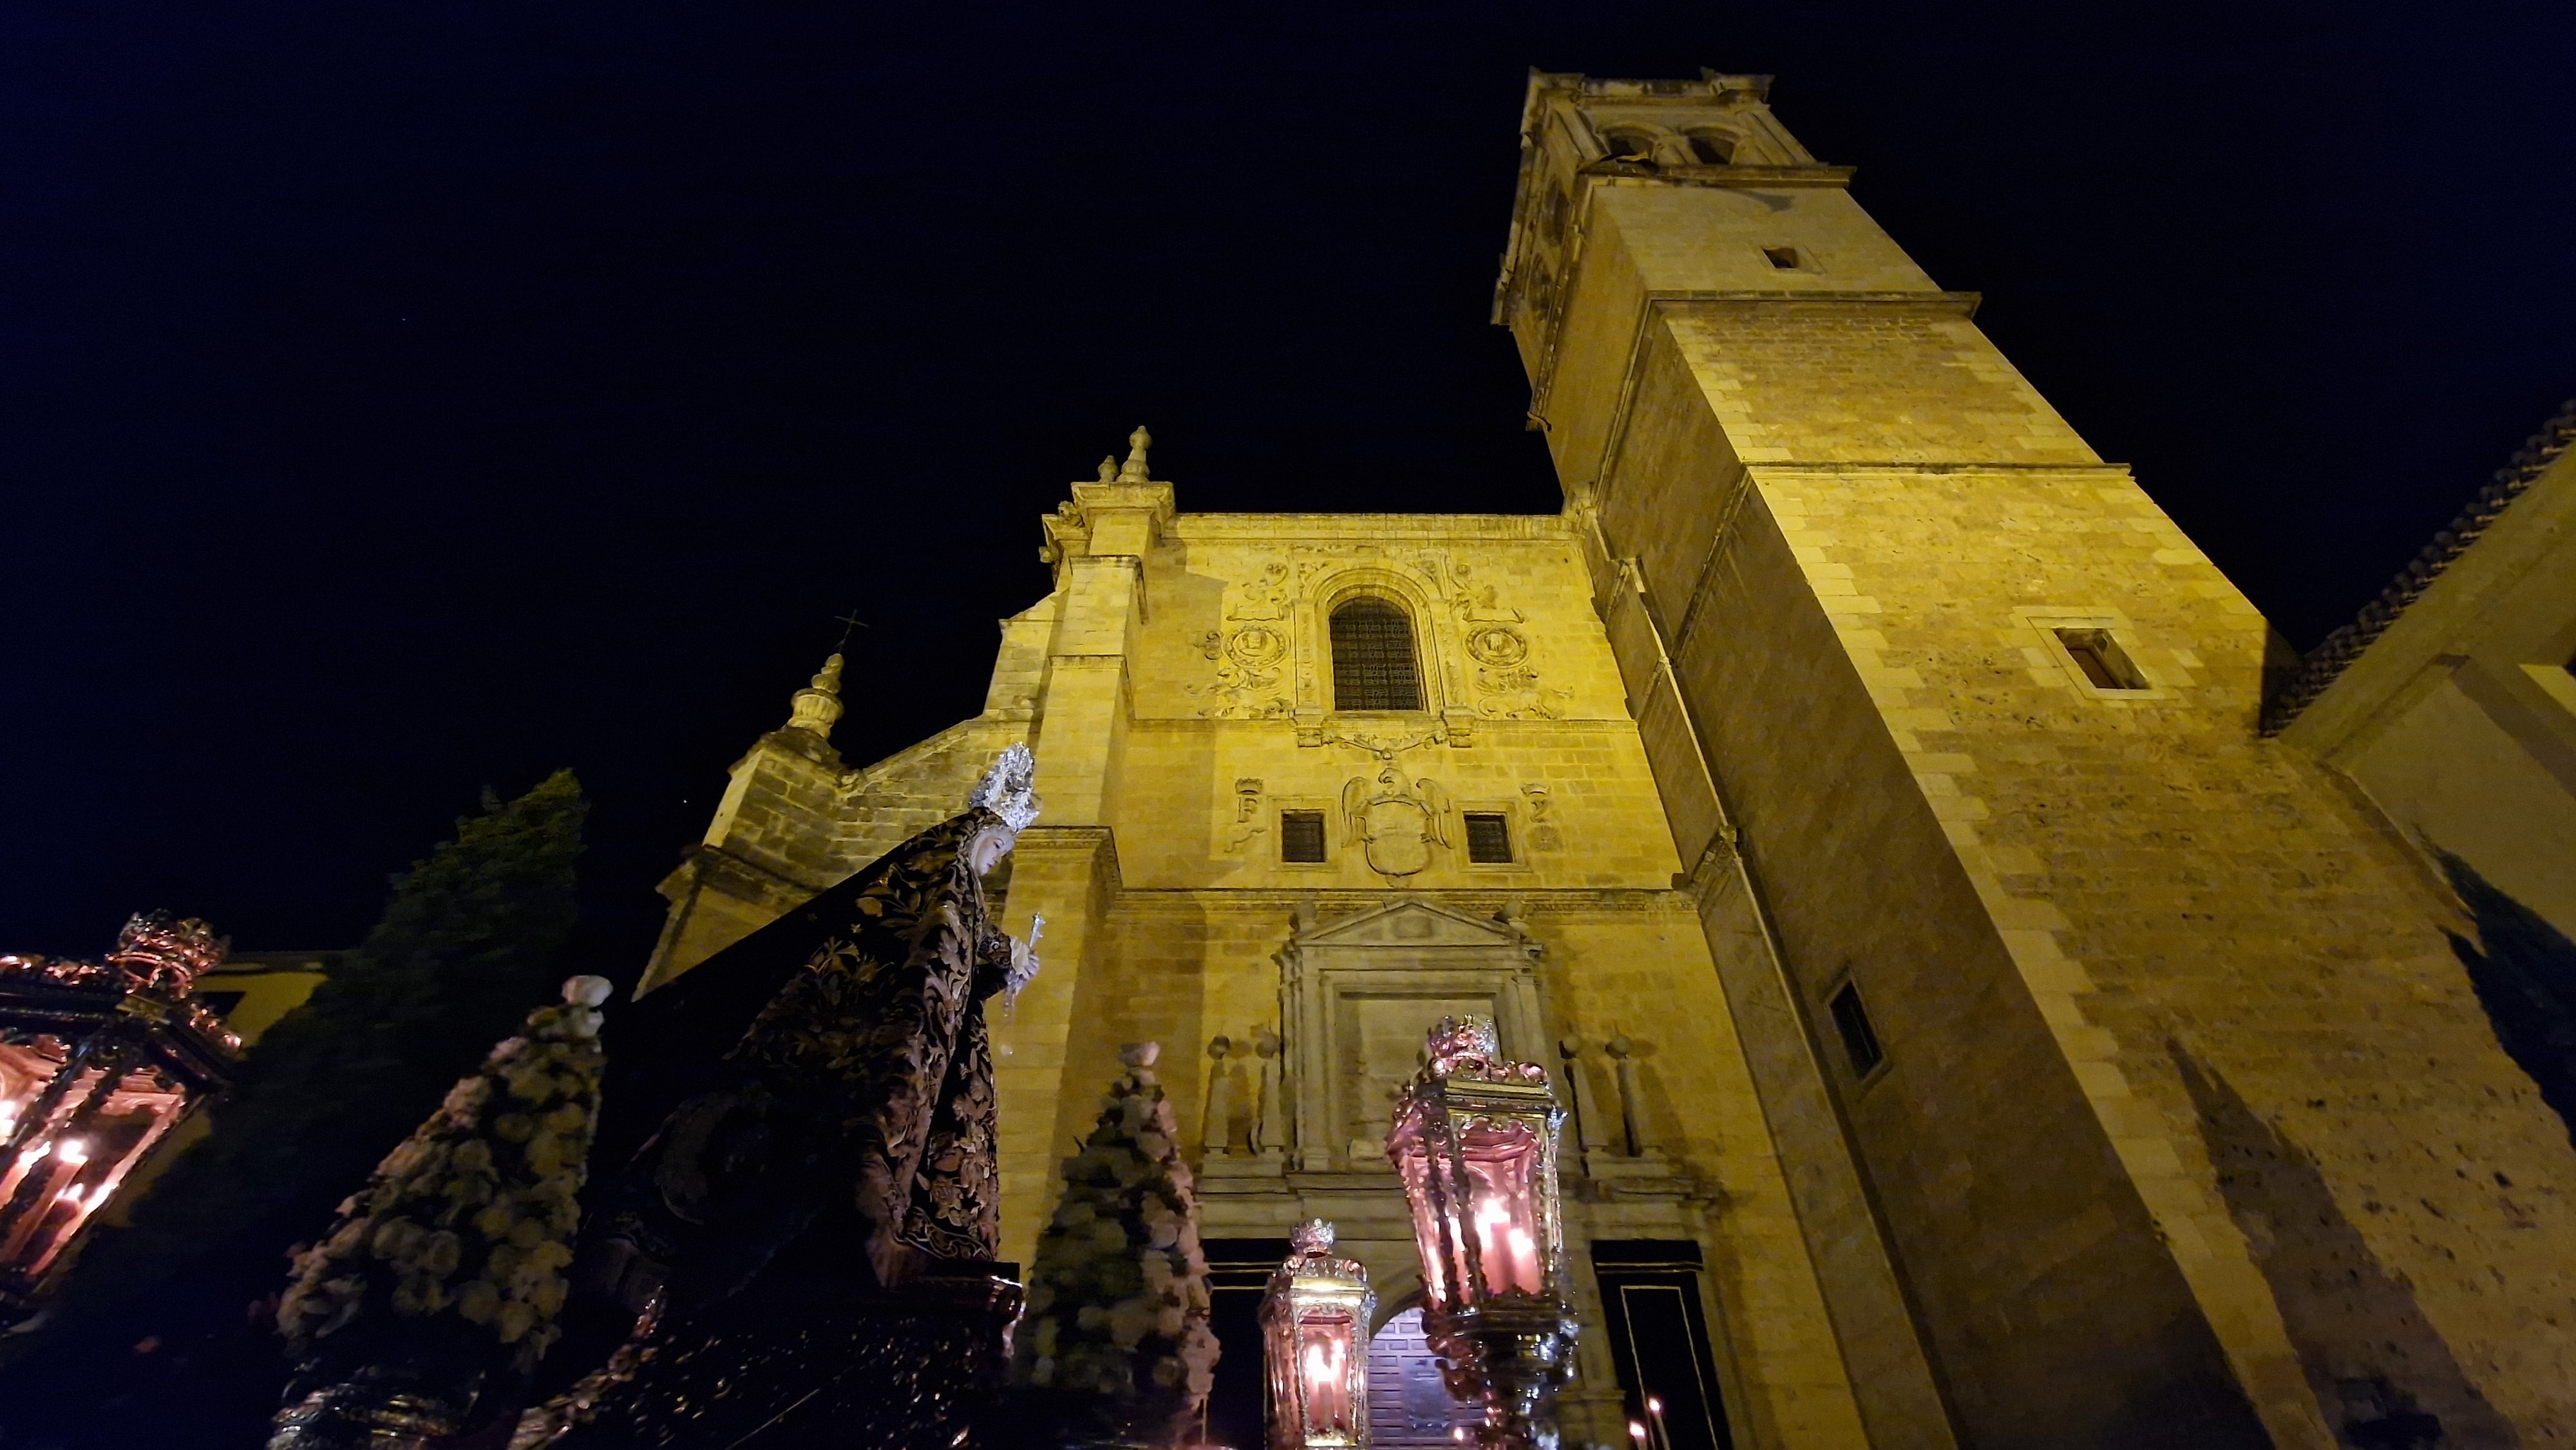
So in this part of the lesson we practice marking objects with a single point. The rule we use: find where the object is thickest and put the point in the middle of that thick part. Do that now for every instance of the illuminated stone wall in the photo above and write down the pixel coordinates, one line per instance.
(1850, 675)
(2182, 1083)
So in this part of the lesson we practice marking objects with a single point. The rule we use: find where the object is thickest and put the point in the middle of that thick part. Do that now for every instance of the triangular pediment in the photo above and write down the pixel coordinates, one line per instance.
(1409, 924)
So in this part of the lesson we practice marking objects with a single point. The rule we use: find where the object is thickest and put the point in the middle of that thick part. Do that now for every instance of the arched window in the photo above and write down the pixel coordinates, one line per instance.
(1632, 146)
(1373, 666)
(1712, 148)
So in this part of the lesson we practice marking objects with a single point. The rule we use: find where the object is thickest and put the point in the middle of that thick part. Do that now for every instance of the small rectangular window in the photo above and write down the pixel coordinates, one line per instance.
(2101, 659)
(1784, 258)
(1301, 835)
(1860, 1040)
(1489, 838)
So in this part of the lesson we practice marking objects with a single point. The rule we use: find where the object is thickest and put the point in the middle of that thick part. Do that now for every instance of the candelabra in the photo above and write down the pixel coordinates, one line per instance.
(1475, 1143)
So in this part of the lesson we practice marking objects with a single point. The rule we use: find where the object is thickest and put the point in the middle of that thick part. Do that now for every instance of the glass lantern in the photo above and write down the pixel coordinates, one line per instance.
(98, 1062)
(1315, 1329)
(1475, 1144)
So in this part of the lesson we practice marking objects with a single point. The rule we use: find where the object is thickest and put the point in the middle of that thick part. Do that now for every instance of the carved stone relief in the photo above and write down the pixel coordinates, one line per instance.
(1251, 652)
(1248, 821)
(1543, 833)
(1394, 824)
(1507, 684)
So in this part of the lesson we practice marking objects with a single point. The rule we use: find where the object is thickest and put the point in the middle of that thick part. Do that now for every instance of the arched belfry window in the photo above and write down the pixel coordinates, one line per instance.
(1373, 665)
(1631, 146)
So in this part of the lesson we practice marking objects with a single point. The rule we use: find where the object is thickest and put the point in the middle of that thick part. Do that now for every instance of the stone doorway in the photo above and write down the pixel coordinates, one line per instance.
(1409, 1408)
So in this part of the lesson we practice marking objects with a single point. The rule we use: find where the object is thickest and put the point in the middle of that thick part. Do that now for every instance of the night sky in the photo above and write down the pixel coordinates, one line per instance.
(399, 399)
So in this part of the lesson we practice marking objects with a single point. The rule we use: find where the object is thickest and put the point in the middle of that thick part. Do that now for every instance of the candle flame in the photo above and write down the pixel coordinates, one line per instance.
(75, 1152)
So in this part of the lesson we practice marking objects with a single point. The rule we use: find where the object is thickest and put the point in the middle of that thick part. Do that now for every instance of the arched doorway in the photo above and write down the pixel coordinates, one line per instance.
(1409, 1408)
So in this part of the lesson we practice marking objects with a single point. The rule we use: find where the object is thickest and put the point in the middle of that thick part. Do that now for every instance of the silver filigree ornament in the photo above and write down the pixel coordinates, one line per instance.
(1009, 790)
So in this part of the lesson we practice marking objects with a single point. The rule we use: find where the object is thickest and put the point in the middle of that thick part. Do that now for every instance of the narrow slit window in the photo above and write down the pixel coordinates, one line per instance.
(1783, 258)
(2101, 659)
(1301, 835)
(1373, 666)
(1489, 838)
(1860, 1040)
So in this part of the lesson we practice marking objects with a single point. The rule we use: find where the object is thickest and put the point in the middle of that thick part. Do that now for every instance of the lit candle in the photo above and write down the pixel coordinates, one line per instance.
(69, 1155)
(1327, 1403)
(1490, 1217)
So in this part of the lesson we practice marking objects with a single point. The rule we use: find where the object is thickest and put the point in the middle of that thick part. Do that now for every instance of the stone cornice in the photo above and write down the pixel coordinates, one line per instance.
(1532, 902)
(1963, 304)
(1736, 178)
(1371, 528)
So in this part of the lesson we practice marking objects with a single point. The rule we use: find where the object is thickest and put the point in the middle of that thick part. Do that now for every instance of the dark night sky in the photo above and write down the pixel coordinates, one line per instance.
(400, 398)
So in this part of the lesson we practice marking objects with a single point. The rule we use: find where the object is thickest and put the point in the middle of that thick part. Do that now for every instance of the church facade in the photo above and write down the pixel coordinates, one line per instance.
(1978, 1031)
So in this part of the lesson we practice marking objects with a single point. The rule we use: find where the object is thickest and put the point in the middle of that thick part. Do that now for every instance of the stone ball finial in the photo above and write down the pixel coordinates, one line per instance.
(1140, 1055)
(1109, 468)
(1314, 1236)
(1134, 470)
(1619, 1045)
(1265, 1043)
(1219, 1046)
(587, 991)
(1569, 1046)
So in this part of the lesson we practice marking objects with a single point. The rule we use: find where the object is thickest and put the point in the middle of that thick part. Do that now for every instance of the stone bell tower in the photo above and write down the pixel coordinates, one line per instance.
(2130, 1090)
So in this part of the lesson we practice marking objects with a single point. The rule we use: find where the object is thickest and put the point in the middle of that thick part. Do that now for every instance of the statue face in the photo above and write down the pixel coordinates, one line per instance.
(988, 848)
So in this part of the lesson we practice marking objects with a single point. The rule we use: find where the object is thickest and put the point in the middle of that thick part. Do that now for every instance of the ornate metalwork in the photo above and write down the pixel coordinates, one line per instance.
(1475, 1144)
(98, 1062)
(1009, 789)
(1315, 1320)
(789, 1366)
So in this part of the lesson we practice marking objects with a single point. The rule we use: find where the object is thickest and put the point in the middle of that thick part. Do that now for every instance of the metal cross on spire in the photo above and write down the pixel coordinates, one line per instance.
(848, 622)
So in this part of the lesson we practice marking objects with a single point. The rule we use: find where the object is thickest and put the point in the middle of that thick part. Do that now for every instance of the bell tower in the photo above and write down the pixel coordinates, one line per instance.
(2118, 1057)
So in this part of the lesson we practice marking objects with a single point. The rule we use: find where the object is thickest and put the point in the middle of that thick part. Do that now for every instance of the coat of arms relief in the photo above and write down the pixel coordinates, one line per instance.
(1394, 824)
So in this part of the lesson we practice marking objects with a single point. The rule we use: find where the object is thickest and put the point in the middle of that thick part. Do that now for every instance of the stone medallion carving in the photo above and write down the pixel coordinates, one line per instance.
(1257, 646)
(1497, 644)
(1394, 824)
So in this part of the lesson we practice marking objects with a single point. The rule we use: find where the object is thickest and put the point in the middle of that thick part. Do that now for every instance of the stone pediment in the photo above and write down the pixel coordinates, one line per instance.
(1410, 924)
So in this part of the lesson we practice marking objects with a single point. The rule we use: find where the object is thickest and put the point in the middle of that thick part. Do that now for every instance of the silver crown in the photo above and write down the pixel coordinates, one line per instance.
(1007, 790)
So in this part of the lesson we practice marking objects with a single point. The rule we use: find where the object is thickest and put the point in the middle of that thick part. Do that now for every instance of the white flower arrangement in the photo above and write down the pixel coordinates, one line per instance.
(471, 1217)
(1118, 1298)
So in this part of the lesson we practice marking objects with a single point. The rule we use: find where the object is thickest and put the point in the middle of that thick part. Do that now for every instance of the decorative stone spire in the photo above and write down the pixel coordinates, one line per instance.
(1137, 443)
(818, 705)
(1109, 468)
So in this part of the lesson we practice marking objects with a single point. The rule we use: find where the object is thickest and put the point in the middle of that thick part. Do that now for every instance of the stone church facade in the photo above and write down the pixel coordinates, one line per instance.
(1979, 1032)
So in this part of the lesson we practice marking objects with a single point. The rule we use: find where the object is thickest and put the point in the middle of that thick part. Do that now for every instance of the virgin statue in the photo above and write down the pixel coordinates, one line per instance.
(808, 1236)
